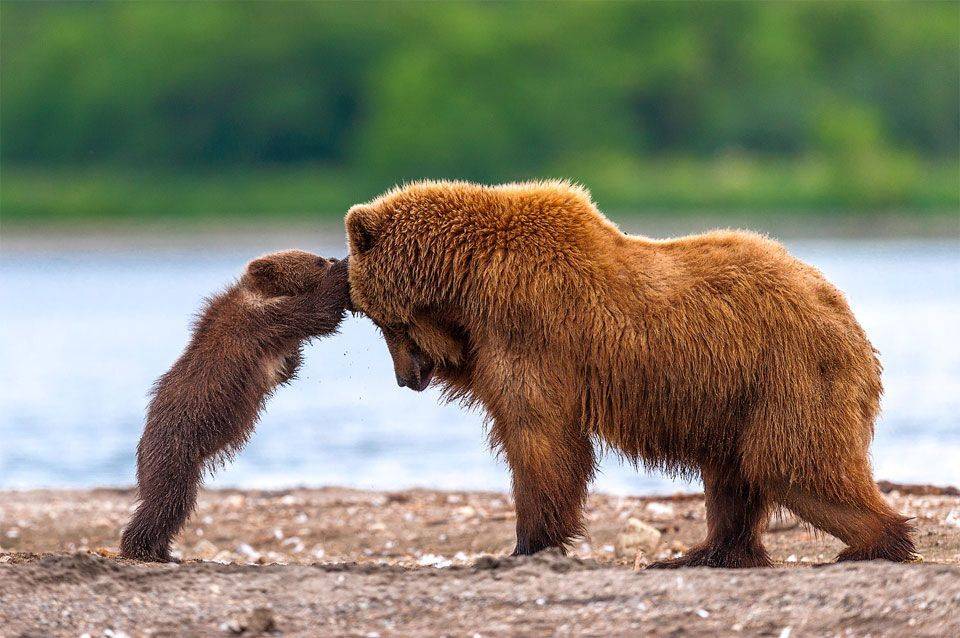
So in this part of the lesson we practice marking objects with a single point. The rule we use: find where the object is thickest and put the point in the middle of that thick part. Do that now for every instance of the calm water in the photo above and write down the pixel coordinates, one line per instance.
(85, 333)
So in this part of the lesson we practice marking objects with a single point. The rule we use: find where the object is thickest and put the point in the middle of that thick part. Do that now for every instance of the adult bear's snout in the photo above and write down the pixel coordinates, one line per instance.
(418, 377)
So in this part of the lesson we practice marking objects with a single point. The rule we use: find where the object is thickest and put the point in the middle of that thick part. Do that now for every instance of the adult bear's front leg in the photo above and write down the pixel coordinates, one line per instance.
(552, 467)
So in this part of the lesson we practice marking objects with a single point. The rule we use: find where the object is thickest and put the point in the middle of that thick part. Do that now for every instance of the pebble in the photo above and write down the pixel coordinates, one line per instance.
(250, 553)
(205, 550)
(640, 562)
(434, 560)
(261, 620)
(231, 626)
(637, 536)
(257, 622)
(660, 511)
(294, 543)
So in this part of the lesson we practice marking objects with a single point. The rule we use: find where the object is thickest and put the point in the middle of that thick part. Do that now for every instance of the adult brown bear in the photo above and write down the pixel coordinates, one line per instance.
(718, 354)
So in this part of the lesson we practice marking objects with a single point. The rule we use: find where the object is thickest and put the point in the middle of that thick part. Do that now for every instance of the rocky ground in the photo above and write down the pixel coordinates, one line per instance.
(346, 562)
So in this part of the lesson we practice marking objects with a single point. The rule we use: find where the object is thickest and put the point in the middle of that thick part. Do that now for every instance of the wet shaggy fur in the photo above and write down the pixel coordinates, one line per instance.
(717, 355)
(245, 343)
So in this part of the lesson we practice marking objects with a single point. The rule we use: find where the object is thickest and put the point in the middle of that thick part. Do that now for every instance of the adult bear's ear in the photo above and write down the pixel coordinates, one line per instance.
(362, 226)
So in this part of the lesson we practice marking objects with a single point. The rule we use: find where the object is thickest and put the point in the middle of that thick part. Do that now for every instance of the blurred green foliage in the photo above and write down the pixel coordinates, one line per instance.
(158, 108)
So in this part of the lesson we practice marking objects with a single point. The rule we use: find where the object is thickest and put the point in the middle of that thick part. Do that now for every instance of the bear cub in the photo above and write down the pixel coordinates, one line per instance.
(245, 343)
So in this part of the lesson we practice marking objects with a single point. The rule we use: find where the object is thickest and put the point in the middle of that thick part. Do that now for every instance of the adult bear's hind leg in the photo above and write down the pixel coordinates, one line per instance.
(736, 515)
(551, 471)
(855, 512)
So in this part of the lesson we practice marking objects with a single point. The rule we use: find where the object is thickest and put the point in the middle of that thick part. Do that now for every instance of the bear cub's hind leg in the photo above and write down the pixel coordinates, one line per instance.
(737, 514)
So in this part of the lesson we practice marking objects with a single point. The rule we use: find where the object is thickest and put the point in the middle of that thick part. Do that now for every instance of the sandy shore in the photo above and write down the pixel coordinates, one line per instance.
(346, 562)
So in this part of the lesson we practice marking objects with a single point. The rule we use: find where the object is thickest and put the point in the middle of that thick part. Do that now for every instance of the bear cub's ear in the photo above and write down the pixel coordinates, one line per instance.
(362, 225)
(263, 270)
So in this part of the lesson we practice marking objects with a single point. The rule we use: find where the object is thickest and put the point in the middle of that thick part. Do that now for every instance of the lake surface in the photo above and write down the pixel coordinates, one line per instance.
(84, 332)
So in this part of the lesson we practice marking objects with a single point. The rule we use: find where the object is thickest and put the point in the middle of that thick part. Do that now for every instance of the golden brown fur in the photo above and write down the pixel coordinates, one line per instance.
(245, 343)
(717, 354)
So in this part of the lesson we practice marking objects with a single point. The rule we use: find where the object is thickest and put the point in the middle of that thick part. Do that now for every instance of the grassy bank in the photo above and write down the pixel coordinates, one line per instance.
(37, 197)
(31, 196)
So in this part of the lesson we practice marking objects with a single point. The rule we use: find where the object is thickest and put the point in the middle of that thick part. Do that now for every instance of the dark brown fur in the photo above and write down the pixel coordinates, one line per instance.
(245, 343)
(718, 355)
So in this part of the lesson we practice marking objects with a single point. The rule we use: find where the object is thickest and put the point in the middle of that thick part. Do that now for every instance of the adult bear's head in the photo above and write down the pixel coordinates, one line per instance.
(437, 264)
(396, 257)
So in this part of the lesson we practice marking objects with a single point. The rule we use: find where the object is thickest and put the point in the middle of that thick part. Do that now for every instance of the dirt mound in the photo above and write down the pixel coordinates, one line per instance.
(75, 567)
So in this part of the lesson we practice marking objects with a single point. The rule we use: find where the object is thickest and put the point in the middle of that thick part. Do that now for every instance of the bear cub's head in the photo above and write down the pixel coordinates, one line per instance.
(288, 272)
